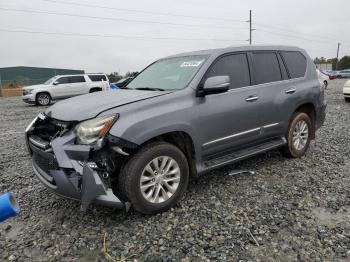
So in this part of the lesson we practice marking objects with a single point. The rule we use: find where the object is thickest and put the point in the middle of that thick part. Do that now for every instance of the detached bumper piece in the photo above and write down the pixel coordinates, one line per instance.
(62, 167)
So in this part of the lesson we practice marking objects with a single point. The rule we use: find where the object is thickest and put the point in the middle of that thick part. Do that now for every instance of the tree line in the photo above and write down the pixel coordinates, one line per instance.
(343, 63)
(115, 76)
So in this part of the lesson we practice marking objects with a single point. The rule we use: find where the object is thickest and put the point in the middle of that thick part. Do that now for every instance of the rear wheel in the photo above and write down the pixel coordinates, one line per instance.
(43, 99)
(155, 178)
(347, 99)
(298, 135)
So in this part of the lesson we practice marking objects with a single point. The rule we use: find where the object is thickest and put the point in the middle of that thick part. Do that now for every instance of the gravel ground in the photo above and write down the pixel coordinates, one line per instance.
(290, 210)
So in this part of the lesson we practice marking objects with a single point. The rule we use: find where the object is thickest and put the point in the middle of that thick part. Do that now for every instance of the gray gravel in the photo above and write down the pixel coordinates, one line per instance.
(291, 209)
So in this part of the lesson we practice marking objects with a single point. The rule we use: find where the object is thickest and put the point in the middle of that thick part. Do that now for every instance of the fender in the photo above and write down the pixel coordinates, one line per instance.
(140, 136)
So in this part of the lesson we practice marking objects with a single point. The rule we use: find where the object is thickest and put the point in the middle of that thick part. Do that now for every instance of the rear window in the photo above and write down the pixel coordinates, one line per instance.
(296, 63)
(97, 78)
(76, 79)
(266, 68)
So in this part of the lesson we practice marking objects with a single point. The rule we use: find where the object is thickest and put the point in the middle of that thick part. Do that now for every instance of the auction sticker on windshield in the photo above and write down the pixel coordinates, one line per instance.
(191, 63)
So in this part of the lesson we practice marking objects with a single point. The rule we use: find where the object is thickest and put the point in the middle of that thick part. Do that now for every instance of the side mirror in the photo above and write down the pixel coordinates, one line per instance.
(55, 83)
(215, 85)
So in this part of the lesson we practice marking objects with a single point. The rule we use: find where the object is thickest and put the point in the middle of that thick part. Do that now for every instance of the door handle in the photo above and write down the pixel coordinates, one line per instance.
(251, 98)
(291, 91)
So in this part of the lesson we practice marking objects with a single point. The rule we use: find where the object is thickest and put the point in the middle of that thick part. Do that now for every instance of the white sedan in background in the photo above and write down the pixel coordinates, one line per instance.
(322, 78)
(346, 91)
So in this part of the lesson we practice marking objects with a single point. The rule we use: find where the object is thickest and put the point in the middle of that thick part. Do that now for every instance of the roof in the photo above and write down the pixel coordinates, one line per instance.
(219, 51)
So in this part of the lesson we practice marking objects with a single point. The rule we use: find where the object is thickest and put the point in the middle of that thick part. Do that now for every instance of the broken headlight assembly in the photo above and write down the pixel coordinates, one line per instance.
(93, 130)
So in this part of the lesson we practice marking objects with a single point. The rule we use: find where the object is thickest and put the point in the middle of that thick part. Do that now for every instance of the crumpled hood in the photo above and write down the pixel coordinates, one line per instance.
(88, 106)
(34, 87)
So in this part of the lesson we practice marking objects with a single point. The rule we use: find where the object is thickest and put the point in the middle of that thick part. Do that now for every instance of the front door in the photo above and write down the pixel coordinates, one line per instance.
(61, 88)
(229, 120)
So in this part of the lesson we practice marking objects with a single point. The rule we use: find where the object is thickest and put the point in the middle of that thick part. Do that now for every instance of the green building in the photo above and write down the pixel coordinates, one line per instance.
(25, 75)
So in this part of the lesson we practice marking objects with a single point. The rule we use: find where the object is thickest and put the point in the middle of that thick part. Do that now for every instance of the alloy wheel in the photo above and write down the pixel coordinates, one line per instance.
(44, 99)
(160, 179)
(300, 135)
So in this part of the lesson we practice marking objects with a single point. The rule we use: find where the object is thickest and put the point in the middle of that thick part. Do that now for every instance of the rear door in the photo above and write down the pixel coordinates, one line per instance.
(229, 120)
(279, 88)
(268, 77)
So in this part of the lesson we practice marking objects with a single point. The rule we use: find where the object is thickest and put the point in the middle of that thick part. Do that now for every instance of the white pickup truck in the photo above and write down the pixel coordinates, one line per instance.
(64, 86)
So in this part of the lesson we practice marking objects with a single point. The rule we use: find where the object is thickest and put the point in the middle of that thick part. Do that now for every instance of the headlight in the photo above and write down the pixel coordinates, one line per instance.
(93, 130)
(27, 91)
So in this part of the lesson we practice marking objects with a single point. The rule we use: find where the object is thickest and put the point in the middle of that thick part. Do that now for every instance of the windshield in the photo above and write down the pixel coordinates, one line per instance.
(168, 74)
(48, 82)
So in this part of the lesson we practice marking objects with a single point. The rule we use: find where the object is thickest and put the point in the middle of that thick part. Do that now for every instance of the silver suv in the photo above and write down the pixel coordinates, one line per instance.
(180, 117)
(64, 86)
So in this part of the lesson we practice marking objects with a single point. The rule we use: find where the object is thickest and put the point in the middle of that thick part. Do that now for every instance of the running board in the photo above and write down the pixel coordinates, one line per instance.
(244, 153)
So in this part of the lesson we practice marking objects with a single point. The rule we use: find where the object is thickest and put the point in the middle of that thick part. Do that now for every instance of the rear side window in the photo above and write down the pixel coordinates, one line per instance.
(97, 78)
(235, 66)
(62, 80)
(266, 67)
(76, 79)
(296, 63)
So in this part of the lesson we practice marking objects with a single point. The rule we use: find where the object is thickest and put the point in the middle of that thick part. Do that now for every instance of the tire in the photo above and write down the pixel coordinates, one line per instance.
(135, 169)
(43, 99)
(347, 99)
(295, 149)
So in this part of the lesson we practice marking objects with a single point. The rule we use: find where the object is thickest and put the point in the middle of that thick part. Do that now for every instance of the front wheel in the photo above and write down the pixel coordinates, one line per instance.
(155, 178)
(43, 99)
(347, 99)
(298, 135)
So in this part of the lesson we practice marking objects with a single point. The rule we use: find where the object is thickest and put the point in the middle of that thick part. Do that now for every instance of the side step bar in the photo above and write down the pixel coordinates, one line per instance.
(244, 153)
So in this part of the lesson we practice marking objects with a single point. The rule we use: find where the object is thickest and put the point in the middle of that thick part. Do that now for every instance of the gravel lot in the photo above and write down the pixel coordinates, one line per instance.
(291, 209)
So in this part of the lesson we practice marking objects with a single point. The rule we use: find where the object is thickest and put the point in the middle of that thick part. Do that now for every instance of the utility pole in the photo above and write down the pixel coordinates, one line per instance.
(337, 56)
(250, 27)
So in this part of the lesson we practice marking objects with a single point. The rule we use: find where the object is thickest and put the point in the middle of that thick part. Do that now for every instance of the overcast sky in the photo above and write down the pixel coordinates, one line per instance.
(314, 25)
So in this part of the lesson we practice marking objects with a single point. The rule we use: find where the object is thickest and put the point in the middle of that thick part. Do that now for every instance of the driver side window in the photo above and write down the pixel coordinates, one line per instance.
(235, 66)
(62, 80)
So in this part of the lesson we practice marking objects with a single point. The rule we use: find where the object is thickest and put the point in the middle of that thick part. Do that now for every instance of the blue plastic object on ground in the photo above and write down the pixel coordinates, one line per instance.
(8, 206)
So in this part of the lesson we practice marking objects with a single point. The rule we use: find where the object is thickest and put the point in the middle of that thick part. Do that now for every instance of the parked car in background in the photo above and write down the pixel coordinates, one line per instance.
(124, 81)
(330, 73)
(346, 91)
(344, 73)
(64, 86)
(182, 116)
(322, 78)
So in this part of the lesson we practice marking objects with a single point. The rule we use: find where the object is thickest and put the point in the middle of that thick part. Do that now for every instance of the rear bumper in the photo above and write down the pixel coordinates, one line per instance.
(63, 168)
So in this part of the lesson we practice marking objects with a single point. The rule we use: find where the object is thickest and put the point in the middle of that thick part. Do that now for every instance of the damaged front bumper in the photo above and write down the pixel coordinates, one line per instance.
(66, 168)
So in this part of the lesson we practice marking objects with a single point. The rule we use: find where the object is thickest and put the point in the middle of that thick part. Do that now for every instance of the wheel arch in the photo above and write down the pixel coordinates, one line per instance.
(94, 89)
(310, 109)
(182, 138)
(41, 92)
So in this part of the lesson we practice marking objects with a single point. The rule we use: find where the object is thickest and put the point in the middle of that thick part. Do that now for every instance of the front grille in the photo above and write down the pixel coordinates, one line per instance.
(50, 128)
(45, 163)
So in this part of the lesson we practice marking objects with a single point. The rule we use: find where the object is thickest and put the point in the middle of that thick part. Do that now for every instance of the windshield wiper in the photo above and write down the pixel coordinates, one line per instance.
(149, 88)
